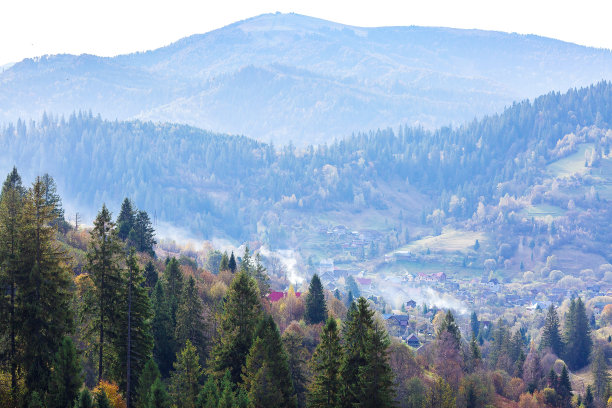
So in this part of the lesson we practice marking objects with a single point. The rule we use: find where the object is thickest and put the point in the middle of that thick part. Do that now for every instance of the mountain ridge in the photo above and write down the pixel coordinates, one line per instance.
(344, 79)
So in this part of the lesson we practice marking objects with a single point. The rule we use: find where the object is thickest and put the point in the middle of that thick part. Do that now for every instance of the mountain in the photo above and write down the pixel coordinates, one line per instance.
(288, 77)
(538, 172)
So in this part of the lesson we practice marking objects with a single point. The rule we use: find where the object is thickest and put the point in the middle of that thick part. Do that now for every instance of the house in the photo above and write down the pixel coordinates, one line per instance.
(433, 277)
(493, 284)
(413, 341)
(364, 281)
(327, 277)
(398, 320)
(411, 303)
(276, 296)
(326, 265)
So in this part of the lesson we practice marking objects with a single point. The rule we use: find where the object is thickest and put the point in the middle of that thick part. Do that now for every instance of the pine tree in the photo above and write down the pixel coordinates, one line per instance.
(375, 377)
(246, 263)
(260, 275)
(232, 263)
(158, 396)
(241, 313)
(297, 354)
(190, 324)
(44, 289)
(209, 395)
(151, 276)
(474, 324)
(186, 377)
(162, 329)
(134, 345)
(65, 378)
(266, 374)
(441, 395)
(356, 338)
(173, 280)
(564, 386)
(149, 375)
(102, 400)
(551, 336)
(577, 336)
(142, 235)
(35, 401)
(324, 391)
(474, 357)
(103, 263)
(599, 368)
(588, 398)
(53, 200)
(84, 399)
(224, 264)
(449, 325)
(11, 201)
(126, 219)
(316, 310)
(227, 397)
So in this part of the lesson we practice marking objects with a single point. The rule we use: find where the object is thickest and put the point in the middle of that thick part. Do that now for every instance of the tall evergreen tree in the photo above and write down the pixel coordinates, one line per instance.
(325, 389)
(474, 324)
(142, 234)
(173, 281)
(232, 263)
(375, 377)
(209, 395)
(151, 276)
(441, 395)
(101, 399)
(227, 398)
(224, 264)
(103, 263)
(84, 399)
(126, 219)
(163, 330)
(158, 396)
(190, 323)
(356, 338)
(577, 336)
(150, 374)
(186, 377)
(564, 387)
(551, 336)
(297, 355)
(316, 309)
(53, 200)
(266, 376)
(262, 278)
(11, 201)
(449, 325)
(599, 368)
(44, 289)
(134, 344)
(65, 378)
(246, 264)
(241, 312)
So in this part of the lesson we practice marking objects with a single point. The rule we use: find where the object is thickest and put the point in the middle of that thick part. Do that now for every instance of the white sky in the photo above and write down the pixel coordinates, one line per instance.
(30, 28)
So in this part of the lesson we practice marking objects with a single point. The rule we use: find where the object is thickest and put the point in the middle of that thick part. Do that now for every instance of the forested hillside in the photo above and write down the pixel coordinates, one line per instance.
(285, 77)
(131, 330)
(218, 185)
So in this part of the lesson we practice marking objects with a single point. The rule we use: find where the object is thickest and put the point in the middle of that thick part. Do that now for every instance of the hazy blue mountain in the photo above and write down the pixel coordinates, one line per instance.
(284, 77)
(546, 152)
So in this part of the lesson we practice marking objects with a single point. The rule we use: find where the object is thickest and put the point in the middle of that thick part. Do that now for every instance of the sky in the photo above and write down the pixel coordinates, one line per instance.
(30, 28)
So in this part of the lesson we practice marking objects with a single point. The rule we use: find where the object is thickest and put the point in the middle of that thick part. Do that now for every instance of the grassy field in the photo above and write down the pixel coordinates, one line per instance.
(541, 211)
(451, 240)
(574, 163)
